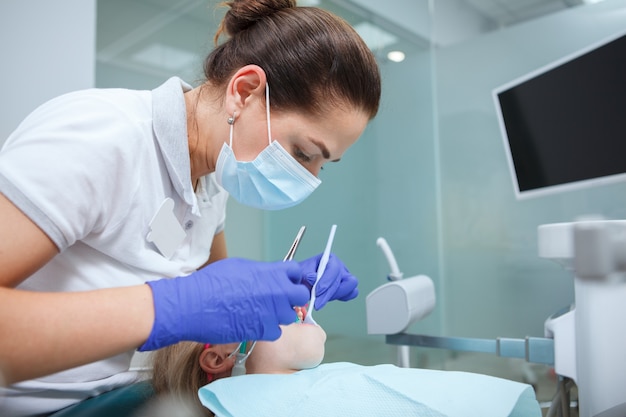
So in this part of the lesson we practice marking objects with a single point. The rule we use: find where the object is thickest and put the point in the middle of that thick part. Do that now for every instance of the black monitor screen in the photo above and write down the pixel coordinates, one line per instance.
(567, 123)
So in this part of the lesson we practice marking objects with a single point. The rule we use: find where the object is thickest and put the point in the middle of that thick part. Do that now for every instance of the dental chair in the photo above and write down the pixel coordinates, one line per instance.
(121, 402)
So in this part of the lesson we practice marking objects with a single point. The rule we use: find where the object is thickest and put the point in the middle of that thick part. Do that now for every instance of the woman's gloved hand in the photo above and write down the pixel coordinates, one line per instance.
(337, 283)
(227, 301)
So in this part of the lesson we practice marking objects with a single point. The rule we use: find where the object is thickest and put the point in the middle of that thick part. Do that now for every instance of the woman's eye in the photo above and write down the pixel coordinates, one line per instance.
(301, 155)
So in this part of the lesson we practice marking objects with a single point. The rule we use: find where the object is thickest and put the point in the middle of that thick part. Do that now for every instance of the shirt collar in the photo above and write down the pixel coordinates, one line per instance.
(169, 121)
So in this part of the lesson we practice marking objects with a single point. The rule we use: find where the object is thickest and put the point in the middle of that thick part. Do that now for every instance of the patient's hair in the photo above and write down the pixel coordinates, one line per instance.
(177, 373)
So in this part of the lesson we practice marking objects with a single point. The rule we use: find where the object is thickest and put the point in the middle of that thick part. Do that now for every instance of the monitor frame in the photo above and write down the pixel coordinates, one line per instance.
(558, 188)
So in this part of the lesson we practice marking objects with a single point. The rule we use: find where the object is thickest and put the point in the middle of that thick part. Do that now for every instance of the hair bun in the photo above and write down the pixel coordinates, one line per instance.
(245, 13)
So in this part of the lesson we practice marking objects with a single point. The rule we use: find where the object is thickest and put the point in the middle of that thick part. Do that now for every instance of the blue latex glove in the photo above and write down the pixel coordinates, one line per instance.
(337, 283)
(227, 301)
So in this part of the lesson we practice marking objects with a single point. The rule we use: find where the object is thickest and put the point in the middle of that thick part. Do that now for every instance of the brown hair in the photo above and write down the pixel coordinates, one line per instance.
(312, 58)
(176, 373)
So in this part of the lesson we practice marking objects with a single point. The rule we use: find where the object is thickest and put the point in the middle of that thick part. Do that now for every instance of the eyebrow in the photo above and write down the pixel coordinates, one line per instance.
(324, 150)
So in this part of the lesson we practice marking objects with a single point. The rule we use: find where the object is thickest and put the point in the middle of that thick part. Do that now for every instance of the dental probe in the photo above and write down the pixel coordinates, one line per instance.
(320, 271)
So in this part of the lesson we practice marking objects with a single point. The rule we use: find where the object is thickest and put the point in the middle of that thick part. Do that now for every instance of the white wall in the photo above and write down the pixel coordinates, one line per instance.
(48, 48)
(495, 282)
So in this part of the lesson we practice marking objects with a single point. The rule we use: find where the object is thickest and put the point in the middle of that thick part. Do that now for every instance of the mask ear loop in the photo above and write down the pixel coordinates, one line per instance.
(231, 119)
(267, 109)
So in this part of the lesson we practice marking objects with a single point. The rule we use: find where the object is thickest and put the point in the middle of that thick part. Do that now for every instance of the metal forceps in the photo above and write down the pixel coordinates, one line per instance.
(294, 245)
(289, 257)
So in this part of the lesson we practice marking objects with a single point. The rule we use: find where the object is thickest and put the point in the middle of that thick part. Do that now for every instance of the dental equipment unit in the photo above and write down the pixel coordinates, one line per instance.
(590, 339)
(585, 344)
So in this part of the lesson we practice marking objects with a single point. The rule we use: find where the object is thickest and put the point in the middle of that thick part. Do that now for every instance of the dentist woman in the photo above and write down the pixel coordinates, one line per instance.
(112, 204)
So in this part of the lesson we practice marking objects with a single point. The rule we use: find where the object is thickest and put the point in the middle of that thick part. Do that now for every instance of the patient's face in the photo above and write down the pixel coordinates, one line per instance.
(301, 346)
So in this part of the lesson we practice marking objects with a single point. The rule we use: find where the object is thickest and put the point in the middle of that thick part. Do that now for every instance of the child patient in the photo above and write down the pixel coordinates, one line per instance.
(181, 369)
(285, 377)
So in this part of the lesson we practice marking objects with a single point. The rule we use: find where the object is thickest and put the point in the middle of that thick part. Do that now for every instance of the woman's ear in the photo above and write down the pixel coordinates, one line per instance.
(245, 85)
(214, 360)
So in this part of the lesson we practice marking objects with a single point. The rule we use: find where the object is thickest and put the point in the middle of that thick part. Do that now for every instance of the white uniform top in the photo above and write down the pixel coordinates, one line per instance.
(91, 169)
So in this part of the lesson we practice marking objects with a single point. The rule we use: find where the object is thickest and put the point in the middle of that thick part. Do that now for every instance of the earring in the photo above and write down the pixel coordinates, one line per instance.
(231, 120)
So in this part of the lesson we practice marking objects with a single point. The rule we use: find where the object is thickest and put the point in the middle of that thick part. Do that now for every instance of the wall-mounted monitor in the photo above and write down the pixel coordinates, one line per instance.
(564, 125)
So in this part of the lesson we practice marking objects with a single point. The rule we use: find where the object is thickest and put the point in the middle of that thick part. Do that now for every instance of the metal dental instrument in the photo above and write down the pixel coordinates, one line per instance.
(320, 271)
(294, 245)
(240, 353)
(289, 257)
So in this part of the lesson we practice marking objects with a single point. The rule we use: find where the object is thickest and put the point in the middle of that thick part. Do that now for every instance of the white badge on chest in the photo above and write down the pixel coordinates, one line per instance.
(165, 231)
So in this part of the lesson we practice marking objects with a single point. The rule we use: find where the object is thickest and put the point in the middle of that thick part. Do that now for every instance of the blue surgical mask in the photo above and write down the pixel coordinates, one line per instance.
(273, 181)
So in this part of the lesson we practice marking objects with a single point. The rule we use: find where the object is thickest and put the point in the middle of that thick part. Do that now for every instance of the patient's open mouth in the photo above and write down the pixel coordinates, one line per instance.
(301, 314)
